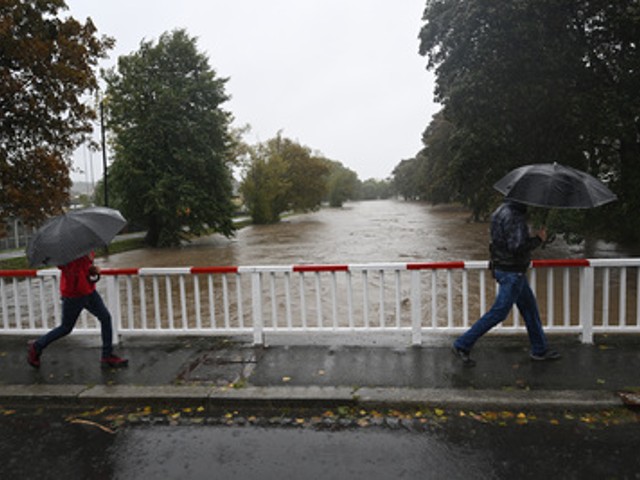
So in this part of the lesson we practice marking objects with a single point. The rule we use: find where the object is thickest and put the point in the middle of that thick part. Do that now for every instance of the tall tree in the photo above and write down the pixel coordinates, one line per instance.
(535, 81)
(47, 68)
(172, 141)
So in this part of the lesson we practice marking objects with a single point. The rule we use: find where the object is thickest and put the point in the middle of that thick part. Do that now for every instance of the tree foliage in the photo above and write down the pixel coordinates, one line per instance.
(46, 69)
(283, 175)
(534, 81)
(172, 141)
(342, 184)
(375, 189)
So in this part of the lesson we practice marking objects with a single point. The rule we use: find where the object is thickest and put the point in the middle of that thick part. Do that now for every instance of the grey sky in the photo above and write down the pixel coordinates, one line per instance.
(342, 77)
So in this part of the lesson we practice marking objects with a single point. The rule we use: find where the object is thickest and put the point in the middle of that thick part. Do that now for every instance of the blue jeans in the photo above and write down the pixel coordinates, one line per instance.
(514, 288)
(71, 308)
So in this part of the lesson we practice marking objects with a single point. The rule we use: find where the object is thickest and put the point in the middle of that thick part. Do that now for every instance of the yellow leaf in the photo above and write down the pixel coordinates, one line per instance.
(363, 422)
(300, 421)
(439, 412)
(286, 379)
(200, 409)
(491, 416)
(553, 421)
(601, 381)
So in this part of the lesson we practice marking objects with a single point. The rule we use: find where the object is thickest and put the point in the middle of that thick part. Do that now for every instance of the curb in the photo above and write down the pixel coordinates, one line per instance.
(305, 397)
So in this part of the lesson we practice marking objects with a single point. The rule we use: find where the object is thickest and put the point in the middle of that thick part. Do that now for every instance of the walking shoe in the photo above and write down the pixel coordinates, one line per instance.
(464, 356)
(548, 355)
(114, 361)
(33, 356)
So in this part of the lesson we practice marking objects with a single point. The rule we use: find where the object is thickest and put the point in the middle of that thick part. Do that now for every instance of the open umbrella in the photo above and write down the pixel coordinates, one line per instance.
(554, 186)
(66, 237)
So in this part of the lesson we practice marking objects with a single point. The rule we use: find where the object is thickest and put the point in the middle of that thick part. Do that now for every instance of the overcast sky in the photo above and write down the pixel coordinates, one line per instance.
(342, 77)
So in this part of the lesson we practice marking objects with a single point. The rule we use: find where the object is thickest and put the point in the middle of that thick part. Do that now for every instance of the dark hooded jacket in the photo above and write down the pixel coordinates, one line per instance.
(511, 244)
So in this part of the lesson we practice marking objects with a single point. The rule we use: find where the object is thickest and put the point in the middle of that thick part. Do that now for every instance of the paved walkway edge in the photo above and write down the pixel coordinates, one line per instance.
(314, 396)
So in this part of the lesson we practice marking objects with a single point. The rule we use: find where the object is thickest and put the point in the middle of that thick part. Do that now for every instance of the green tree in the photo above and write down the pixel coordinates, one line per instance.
(264, 187)
(283, 175)
(536, 81)
(406, 181)
(374, 189)
(172, 141)
(342, 184)
(47, 68)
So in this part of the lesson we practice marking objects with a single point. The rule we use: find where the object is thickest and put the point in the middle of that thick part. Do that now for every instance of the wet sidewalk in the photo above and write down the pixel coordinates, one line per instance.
(227, 372)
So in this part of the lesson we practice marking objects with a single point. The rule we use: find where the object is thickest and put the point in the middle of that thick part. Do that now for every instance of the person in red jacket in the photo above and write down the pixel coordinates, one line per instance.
(78, 291)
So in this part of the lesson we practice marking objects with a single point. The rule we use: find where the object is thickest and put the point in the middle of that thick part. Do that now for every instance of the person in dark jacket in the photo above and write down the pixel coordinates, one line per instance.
(510, 248)
(78, 291)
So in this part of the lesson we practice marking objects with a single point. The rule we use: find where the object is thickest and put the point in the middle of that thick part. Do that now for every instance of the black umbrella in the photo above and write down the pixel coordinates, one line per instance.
(554, 186)
(69, 236)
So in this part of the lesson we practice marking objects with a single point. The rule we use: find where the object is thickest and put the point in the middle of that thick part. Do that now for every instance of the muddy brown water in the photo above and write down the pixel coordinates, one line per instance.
(360, 232)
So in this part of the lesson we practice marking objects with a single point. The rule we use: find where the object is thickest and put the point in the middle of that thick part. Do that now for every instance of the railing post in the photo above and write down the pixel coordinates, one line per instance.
(113, 304)
(416, 308)
(256, 303)
(587, 287)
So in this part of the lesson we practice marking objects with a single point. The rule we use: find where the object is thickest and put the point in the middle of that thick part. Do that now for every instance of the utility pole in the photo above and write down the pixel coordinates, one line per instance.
(104, 155)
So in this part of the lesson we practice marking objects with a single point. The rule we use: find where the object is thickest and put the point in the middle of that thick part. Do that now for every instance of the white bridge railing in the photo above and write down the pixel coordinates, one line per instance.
(418, 300)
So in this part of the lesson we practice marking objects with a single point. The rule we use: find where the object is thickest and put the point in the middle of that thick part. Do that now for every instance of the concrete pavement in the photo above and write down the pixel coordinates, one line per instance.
(215, 372)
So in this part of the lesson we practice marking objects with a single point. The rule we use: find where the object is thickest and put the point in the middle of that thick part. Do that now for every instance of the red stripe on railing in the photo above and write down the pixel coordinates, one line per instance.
(119, 271)
(228, 269)
(320, 268)
(18, 273)
(567, 262)
(434, 265)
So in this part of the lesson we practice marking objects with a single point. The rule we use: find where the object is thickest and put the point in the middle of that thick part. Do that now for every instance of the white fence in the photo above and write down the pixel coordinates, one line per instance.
(417, 300)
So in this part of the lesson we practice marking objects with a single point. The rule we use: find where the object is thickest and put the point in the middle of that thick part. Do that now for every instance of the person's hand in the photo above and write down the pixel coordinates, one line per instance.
(542, 234)
(94, 274)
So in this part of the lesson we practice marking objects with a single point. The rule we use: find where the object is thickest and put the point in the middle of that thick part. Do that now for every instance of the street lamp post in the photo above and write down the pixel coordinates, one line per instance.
(104, 155)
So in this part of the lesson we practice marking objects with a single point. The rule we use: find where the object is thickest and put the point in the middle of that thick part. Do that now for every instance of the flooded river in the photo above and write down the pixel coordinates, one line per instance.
(360, 232)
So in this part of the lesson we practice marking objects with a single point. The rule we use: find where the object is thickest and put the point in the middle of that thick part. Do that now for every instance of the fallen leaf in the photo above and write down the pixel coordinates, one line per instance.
(286, 379)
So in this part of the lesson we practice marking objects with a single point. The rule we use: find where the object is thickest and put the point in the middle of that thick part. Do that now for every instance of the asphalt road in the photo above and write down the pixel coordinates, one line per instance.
(316, 445)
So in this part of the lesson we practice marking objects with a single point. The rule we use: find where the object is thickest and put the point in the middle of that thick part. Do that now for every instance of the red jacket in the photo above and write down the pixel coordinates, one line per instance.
(75, 282)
